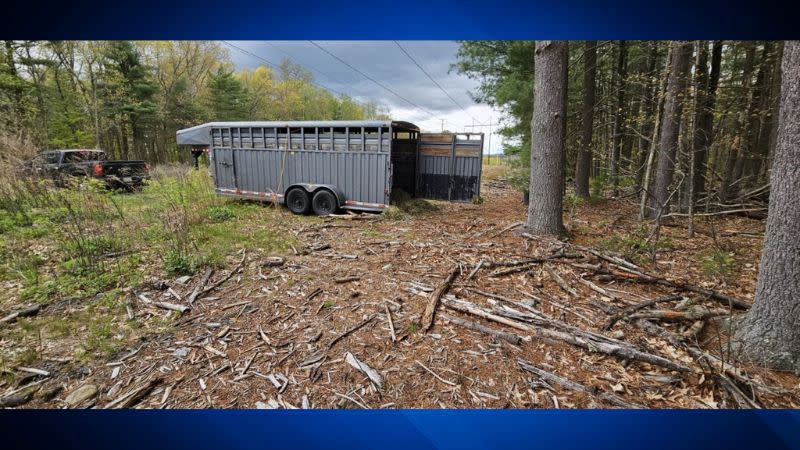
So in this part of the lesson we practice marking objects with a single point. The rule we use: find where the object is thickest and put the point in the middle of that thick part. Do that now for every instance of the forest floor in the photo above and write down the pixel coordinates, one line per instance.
(332, 317)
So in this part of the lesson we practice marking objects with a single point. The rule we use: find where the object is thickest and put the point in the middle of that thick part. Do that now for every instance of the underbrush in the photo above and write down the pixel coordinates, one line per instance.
(638, 245)
(88, 246)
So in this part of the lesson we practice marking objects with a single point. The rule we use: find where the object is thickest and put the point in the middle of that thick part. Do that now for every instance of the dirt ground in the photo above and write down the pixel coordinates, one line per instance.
(290, 333)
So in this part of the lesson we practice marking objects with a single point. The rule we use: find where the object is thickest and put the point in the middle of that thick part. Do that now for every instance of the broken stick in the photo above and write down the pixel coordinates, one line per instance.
(436, 296)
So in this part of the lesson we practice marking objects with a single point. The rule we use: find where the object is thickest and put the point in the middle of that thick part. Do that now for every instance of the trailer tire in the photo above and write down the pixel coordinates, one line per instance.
(324, 203)
(297, 201)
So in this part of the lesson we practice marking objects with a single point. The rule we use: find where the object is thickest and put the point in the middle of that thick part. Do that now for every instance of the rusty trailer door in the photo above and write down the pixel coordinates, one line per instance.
(449, 166)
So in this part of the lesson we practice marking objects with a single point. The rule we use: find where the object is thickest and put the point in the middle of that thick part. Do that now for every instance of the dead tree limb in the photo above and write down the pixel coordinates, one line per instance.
(435, 297)
(632, 309)
(200, 286)
(510, 337)
(678, 316)
(572, 385)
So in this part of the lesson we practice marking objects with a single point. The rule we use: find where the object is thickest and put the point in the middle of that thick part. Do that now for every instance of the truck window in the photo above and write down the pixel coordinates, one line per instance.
(49, 158)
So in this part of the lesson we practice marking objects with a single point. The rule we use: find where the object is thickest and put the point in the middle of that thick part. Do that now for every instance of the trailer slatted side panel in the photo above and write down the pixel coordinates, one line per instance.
(449, 166)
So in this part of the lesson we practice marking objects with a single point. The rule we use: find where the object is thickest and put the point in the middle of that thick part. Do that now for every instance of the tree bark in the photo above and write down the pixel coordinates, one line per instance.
(619, 116)
(770, 333)
(548, 132)
(670, 128)
(646, 109)
(587, 120)
(704, 117)
(738, 149)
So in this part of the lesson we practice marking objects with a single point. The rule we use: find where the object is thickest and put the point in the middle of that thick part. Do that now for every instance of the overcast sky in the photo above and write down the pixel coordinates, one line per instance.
(386, 63)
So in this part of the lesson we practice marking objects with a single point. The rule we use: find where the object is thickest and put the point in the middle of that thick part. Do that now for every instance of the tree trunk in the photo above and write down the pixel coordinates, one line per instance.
(587, 120)
(704, 119)
(646, 108)
(760, 131)
(548, 132)
(770, 334)
(738, 149)
(619, 116)
(670, 128)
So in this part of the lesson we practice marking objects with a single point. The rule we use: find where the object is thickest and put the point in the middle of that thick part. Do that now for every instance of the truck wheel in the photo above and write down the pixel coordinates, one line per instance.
(324, 203)
(297, 201)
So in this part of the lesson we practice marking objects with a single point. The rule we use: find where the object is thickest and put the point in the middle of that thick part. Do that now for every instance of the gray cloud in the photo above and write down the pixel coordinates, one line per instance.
(381, 60)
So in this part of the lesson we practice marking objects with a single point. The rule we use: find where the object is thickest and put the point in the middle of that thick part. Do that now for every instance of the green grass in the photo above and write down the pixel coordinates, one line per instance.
(90, 245)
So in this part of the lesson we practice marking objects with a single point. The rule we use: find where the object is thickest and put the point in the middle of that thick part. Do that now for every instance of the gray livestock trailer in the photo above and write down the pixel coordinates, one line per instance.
(322, 166)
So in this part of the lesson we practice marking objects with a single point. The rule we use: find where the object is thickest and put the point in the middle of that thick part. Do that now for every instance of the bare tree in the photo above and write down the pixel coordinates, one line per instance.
(770, 334)
(670, 128)
(587, 120)
(548, 132)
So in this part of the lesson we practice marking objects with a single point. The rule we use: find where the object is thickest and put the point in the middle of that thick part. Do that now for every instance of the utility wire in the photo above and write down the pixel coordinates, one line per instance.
(434, 81)
(271, 64)
(378, 83)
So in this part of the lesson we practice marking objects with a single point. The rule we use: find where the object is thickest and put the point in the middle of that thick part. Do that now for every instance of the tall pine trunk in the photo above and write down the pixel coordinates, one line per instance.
(738, 148)
(548, 132)
(670, 129)
(587, 120)
(704, 118)
(770, 334)
(646, 110)
(619, 115)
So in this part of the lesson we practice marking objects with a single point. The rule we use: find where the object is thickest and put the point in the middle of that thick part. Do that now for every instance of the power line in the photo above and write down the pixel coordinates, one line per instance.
(271, 64)
(433, 80)
(378, 83)
(308, 66)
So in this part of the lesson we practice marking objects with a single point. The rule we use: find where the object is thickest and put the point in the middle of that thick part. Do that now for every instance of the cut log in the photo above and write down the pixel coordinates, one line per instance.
(435, 297)
(575, 386)
(510, 337)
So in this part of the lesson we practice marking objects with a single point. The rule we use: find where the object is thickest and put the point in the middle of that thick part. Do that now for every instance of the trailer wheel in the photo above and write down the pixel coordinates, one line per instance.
(324, 203)
(297, 201)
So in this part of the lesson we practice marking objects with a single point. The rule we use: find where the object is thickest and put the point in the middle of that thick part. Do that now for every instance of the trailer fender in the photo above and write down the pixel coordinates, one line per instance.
(312, 188)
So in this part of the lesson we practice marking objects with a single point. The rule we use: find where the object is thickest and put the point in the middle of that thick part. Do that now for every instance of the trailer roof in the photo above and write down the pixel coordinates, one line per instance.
(200, 134)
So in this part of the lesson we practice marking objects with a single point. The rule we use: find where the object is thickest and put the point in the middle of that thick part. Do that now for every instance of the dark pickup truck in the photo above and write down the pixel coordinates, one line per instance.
(60, 165)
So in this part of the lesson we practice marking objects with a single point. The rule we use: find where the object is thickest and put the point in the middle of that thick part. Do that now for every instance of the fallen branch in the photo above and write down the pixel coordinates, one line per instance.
(435, 297)
(25, 312)
(225, 278)
(200, 286)
(391, 324)
(677, 316)
(510, 227)
(435, 375)
(572, 385)
(172, 307)
(640, 277)
(560, 281)
(134, 396)
(371, 373)
(632, 309)
(510, 337)
(351, 330)
(584, 339)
